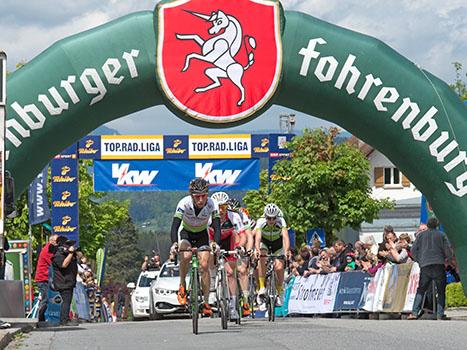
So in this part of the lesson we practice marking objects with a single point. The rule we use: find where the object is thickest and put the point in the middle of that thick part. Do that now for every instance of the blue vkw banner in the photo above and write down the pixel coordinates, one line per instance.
(89, 147)
(351, 293)
(176, 147)
(171, 175)
(38, 203)
(64, 173)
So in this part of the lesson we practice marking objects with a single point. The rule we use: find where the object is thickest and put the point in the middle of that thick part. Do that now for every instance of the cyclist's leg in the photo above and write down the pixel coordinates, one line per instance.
(185, 258)
(279, 268)
(262, 268)
(203, 257)
(242, 270)
(231, 277)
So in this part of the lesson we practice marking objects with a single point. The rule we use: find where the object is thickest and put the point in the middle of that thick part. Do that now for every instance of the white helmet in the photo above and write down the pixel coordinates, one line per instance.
(220, 197)
(271, 210)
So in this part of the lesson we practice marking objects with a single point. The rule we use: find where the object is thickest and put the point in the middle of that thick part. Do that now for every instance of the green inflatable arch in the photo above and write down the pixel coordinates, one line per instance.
(353, 80)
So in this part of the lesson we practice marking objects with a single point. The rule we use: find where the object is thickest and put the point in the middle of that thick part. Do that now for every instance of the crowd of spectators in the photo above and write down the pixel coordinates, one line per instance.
(364, 255)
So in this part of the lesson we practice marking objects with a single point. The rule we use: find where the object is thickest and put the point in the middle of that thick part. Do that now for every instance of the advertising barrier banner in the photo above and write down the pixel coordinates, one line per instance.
(38, 203)
(171, 175)
(314, 294)
(371, 295)
(396, 288)
(412, 286)
(351, 292)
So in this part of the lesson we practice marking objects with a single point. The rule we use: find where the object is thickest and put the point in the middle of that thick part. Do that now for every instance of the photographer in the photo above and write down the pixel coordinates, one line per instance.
(151, 264)
(65, 269)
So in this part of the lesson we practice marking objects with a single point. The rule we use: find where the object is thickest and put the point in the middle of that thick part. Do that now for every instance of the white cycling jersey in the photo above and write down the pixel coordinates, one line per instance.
(271, 233)
(190, 221)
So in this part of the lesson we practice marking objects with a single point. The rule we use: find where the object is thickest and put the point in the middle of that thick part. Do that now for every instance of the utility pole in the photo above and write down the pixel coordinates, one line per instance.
(2, 141)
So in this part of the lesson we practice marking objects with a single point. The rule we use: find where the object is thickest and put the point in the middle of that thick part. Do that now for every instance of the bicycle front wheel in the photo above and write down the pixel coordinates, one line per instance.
(224, 300)
(194, 300)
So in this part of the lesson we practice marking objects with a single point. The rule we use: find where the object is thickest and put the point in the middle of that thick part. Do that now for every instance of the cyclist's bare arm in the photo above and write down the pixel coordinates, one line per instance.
(285, 240)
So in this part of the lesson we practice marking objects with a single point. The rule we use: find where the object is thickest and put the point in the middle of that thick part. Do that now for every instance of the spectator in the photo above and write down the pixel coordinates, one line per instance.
(65, 268)
(5, 247)
(324, 263)
(431, 250)
(120, 303)
(340, 261)
(360, 251)
(389, 239)
(303, 260)
(350, 259)
(313, 267)
(42, 275)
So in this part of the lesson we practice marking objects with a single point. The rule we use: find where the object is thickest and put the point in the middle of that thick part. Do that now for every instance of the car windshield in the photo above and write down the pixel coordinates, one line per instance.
(145, 281)
(170, 271)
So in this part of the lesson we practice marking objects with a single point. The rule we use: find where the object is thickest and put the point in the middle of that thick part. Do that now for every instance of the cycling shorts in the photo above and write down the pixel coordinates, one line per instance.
(199, 240)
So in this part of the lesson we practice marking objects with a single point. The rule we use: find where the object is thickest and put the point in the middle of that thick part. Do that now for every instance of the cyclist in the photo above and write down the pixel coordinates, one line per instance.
(193, 213)
(242, 268)
(232, 237)
(271, 235)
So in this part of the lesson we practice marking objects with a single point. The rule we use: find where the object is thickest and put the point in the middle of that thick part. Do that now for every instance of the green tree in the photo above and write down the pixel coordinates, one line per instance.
(256, 200)
(323, 184)
(459, 86)
(124, 258)
(97, 215)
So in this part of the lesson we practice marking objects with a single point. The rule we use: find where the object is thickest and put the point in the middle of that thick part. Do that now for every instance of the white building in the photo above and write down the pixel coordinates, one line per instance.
(386, 181)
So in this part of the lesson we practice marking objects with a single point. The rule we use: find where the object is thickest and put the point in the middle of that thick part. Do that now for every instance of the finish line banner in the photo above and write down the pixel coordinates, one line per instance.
(171, 175)
(217, 146)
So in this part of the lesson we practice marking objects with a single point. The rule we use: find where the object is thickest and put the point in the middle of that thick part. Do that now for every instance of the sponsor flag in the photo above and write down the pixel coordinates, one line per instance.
(64, 173)
(89, 147)
(38, 203)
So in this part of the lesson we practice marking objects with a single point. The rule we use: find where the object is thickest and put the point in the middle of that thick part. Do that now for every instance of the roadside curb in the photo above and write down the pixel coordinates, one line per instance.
(7, 335)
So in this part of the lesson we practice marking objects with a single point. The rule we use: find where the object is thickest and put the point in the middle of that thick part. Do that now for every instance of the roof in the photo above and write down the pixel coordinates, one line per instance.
(365, 148)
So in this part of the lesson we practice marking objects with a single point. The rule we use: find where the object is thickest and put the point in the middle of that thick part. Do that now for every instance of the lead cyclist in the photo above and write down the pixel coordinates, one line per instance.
(193, 214)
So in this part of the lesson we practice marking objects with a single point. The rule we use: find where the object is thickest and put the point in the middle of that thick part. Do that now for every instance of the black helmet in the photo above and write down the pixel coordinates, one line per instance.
(233, 204)
(199, 185)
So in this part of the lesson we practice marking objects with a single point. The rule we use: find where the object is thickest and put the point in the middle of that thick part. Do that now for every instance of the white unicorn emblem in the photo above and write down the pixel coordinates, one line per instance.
(220, 50)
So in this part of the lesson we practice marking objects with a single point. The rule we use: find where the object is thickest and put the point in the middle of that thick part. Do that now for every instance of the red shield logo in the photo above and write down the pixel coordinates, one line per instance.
(219, 61)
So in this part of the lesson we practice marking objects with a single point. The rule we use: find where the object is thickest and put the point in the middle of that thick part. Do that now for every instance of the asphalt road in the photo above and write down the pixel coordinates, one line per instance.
(289, 333)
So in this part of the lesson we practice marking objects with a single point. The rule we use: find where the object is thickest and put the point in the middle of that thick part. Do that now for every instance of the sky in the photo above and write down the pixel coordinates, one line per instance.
(431, 33)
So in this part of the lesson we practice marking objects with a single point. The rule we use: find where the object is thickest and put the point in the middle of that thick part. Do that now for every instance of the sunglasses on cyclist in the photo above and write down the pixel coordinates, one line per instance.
(223, 206)
(200, 195)
(269, 218)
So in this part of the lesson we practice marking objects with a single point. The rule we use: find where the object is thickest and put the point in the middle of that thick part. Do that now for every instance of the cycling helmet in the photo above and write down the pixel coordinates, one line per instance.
(220, 197)
(271, 210)
(199, 185)
(234, 204)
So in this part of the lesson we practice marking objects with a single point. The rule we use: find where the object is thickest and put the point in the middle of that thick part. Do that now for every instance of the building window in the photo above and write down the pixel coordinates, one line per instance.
(392, 176)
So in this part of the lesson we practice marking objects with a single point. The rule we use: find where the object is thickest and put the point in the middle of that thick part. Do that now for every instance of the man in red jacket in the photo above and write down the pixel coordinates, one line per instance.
(42, 273)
